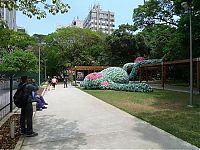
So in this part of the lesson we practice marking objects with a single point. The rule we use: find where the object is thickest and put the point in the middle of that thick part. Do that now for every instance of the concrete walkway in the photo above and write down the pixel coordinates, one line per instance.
(76, 120)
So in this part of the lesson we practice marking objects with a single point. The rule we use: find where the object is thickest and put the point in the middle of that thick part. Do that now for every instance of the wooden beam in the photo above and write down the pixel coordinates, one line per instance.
(179, 61)
(93, 68)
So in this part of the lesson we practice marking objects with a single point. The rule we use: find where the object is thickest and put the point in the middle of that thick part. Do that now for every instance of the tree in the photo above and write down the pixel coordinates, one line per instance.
(11, 40)
(166, 27)
(122, 45)
(5, 35)
(72, 46)
(38, 8)
(19, 61)
(163, 39)
(21, 40)
(155, 12)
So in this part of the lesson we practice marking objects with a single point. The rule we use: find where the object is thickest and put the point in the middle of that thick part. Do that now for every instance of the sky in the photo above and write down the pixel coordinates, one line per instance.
(123, 10)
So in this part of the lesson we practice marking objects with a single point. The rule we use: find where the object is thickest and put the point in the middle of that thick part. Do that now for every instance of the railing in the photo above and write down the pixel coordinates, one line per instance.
(7, 88)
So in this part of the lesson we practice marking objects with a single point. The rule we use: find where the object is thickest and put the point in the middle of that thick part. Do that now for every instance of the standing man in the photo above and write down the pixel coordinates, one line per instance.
(26, 122)
(65, 81)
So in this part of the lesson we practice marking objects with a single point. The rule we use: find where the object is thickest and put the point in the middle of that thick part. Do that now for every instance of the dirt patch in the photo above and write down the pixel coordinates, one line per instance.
(169, 106)
(6, 142)
(137, 107)
(149, 106)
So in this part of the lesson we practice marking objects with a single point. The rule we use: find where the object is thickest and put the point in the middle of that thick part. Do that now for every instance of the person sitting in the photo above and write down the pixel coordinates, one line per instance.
(40, 101)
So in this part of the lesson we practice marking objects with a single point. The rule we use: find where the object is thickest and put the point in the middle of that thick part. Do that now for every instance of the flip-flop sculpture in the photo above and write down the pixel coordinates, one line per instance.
(116, 78)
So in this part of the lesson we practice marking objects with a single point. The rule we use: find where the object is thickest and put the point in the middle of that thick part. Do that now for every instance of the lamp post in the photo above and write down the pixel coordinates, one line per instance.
(188, 9)
(45, 69)
(39, 68)
(39, 63)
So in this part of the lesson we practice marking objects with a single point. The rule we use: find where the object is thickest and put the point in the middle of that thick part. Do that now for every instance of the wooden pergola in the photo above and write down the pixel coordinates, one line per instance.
(89, 68)
(164, 66)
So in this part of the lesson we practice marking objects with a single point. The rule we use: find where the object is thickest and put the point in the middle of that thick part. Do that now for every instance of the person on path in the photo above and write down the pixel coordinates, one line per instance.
(26, 122)
(54, 82)
(65, 82)
(40, 101)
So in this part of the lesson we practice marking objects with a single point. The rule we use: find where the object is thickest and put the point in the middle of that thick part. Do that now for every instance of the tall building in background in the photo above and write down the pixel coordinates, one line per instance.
(21, 29)
(9, 17)
(100, 20)
(77, 23)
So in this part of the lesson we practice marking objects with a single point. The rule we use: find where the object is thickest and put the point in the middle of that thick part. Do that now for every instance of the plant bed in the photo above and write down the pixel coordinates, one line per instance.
(6, 142)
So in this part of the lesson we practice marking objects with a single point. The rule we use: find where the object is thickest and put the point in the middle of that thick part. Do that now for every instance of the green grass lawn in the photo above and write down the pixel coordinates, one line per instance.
(164, 109)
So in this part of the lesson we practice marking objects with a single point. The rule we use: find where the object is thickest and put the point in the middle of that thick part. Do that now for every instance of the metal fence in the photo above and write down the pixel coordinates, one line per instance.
(8, 86)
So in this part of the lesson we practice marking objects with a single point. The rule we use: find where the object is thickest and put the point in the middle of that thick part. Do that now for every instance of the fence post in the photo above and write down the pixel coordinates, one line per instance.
(11, 93)
(198, 74)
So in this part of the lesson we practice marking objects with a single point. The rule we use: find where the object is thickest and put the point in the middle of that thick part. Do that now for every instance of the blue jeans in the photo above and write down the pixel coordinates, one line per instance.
(40, 103)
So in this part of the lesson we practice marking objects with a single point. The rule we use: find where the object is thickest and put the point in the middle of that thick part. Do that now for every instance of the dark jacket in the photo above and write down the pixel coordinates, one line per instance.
(28, 91)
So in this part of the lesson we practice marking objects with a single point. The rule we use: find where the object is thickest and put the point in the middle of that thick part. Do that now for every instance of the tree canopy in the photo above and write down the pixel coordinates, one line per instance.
(73, 46)
(165, 26)
(19, 61)
(124, 45)
(38, 8)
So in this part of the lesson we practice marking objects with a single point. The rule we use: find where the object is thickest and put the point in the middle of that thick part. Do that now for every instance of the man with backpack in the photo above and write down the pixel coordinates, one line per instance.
(27, 108)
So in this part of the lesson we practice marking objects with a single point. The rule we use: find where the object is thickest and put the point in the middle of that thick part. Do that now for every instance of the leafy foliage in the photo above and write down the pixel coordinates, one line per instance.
(11, 40)
(155, 12)
(19, 61)
(163, 39)
(74, 46)
(38, 8)
(122, 45)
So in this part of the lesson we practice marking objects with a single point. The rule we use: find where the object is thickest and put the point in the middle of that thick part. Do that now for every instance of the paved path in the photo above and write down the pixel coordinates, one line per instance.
(76, 120)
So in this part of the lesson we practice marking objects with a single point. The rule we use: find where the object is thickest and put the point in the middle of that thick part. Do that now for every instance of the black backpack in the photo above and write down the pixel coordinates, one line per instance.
(19, 97)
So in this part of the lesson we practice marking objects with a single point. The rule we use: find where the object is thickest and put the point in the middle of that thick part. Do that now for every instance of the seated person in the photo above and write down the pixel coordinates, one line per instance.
(40, 101)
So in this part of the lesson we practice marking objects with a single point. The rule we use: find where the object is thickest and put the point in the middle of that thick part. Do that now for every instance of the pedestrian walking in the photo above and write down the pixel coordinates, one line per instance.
(65, 82)
(54, 81)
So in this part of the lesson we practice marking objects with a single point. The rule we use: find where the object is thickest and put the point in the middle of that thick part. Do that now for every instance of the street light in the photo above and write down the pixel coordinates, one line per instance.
(45, 69)
(188, 9)
(39, 68)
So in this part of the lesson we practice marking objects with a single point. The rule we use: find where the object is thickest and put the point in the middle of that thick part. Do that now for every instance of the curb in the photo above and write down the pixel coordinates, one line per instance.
(19, 143)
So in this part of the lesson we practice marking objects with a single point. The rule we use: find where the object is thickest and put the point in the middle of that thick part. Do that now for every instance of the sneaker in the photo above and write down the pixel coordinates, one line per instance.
(39, 109)
(32, 134)
(44, 107)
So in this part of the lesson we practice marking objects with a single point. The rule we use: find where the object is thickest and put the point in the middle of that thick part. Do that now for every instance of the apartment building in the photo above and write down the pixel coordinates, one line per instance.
(100, 20)
(77, 23)
(9, 17)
